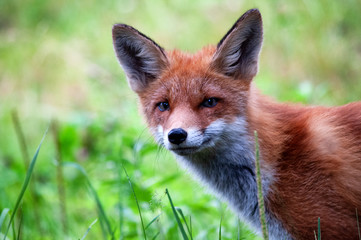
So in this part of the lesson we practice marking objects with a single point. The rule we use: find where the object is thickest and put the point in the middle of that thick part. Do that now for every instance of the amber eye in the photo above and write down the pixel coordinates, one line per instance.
(210, 102)
(163, 106)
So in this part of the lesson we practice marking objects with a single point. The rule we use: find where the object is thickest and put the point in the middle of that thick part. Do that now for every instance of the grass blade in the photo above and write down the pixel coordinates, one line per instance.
(120, 198)
(3, 215)
(87, 231)
(102, 227)
(190, 227)
(156, 235)
(262, 210)
(153, 220)
(319, 228)
(20, 224)
(238, 230)
(358, 225)
(136, 201)
(26, 158)
(13, 229)
(60, 177)
(180, 225)
(220, 229)
(103, 216)
(26, 183)
(184, 220)
(21, 138)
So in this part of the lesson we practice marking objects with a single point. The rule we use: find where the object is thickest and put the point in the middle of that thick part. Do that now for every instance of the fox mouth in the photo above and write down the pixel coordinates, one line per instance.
(187, 150)
(184, 150)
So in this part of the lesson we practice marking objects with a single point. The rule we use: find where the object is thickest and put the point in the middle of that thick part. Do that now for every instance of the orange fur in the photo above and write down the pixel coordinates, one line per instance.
(316, 153)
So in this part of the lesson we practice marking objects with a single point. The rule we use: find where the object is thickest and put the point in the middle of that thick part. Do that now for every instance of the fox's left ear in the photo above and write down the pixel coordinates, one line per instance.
(238, 52)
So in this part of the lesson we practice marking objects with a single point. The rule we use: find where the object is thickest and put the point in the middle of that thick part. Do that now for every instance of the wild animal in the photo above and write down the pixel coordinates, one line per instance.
(204, 108)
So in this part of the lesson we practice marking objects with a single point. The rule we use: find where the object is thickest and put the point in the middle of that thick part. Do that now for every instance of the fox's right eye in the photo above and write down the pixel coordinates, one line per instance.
(163, 106)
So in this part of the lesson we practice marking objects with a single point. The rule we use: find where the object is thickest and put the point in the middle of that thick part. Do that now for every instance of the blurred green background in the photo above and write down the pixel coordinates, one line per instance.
(57, 65)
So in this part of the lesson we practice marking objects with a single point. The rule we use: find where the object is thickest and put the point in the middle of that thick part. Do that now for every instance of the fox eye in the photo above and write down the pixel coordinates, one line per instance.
(163, 106)
(210, 102)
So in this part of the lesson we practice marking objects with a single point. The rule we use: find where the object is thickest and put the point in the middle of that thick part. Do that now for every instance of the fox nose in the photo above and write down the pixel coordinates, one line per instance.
(177, 136)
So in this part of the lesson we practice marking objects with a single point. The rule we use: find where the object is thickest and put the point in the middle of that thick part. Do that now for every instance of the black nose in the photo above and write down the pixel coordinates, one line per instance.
(177, 136)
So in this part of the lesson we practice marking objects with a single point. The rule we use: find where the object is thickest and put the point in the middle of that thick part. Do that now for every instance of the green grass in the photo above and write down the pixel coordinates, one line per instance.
(262, 210)
(23, 189)
(57, 62)
(137, 203)
(180, 224)
(87, 231)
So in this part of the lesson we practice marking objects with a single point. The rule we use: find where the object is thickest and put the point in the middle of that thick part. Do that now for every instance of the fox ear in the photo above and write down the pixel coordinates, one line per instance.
(237, 53)
(141, 58)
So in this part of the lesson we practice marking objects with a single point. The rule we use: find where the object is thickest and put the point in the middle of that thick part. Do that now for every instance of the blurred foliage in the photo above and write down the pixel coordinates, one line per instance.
(57, 62)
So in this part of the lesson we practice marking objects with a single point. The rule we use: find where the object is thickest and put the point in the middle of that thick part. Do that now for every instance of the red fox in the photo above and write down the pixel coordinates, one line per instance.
(204, 108)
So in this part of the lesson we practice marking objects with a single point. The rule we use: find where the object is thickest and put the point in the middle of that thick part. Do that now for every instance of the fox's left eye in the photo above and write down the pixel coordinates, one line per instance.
(210, 102)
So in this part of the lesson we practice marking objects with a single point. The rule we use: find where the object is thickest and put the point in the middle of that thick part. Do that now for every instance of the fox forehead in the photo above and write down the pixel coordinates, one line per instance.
(186, 83)
(190, 78)
(184, 75)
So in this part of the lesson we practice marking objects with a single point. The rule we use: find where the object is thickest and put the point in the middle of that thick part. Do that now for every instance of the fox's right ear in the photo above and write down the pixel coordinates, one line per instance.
(141, 58)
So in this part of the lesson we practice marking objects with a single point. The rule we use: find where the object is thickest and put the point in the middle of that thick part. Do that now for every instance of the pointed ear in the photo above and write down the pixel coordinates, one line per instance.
(237, 53)
(141, 58)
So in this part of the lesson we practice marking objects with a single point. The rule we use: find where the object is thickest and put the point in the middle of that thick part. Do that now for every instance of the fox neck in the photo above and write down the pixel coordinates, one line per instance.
(228, 169)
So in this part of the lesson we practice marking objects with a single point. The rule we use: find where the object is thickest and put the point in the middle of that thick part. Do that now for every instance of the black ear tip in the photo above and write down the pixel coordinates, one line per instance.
(253, 13)
(116, 29)
(117, 26)
(254, 10)
(120, 28)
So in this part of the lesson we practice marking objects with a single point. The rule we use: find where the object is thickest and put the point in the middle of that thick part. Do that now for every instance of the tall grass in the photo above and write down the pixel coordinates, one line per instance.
(318, 229)
(102, 214)
(26, 158)
(262, 211)
(151, 230)
(59, 177)
(25, 185)
(136, 201)
(188, 226)
(180, 225)
(61, 64)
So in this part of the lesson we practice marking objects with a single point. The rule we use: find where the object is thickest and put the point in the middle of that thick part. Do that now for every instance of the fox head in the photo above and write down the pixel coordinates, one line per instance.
(191, 100)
